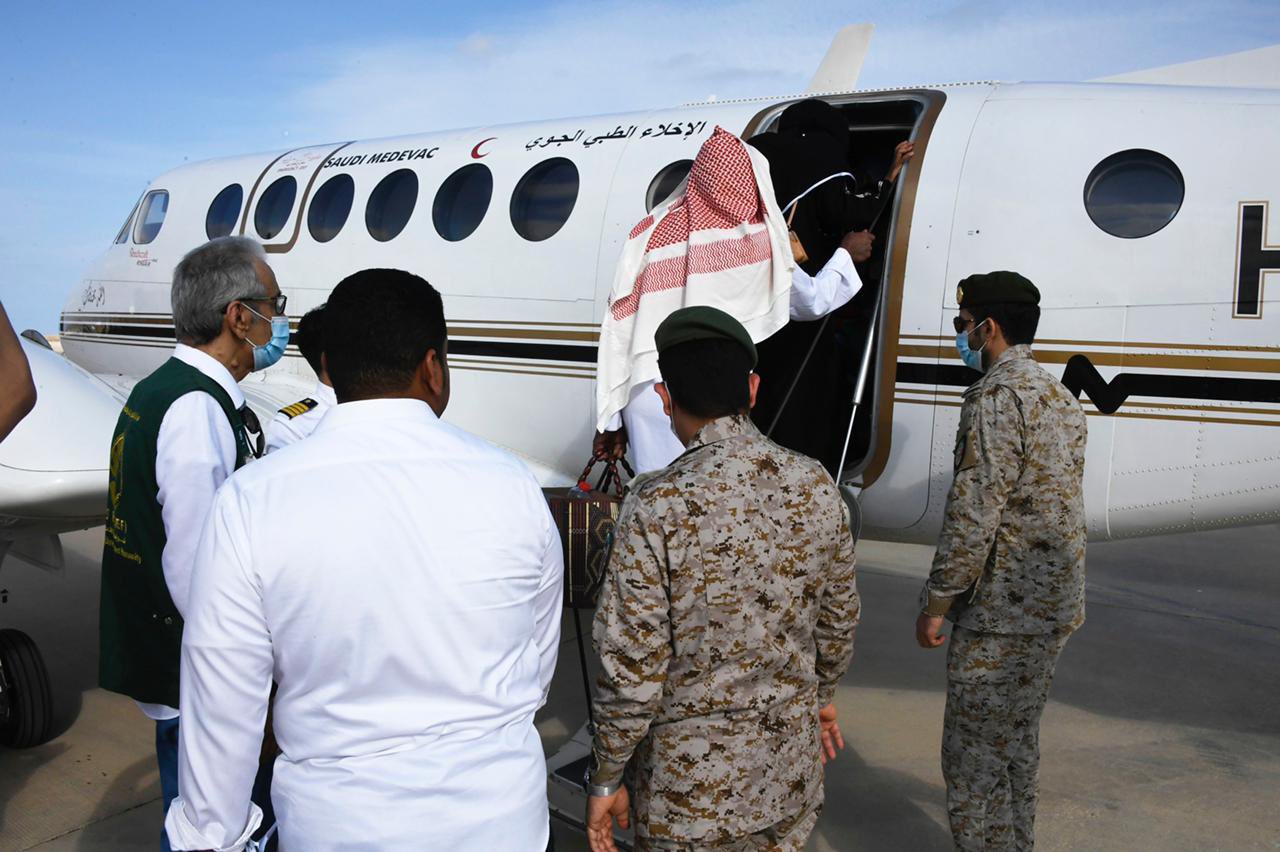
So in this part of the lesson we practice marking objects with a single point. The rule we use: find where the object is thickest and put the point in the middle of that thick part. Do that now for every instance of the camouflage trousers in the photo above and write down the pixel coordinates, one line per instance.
(790, 835)
(997, 686)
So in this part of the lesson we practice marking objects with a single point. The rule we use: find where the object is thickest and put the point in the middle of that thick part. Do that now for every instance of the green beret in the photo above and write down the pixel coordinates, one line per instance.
(702, 323)
(996, 288)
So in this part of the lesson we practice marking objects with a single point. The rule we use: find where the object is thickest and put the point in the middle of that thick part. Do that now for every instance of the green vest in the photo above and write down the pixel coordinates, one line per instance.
(140, 629)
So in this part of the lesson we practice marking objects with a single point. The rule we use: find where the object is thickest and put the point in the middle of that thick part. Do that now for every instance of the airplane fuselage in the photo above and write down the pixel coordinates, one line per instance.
(1169, 336)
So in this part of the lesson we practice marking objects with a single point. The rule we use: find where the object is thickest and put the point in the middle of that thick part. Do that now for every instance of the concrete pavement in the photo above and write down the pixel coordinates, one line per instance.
(1162, 730)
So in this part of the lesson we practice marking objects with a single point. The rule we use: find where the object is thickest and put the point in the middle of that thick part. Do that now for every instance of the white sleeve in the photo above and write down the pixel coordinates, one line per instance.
(280, 432)
(813, 297)
(225, 686)
(615, 422)
(547, 606)
(195, 452)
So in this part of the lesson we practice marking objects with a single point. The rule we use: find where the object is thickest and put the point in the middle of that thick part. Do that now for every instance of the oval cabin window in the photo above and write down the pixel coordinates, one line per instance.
(151, 217)
(665, 182)
(391, 204)
(1134, 193)
(544, 198)
(274, 207)
(462, 201)
(223, 212)
(330, 207)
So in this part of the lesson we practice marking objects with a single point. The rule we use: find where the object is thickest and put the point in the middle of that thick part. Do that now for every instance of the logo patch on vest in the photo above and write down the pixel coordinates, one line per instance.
(299, 407)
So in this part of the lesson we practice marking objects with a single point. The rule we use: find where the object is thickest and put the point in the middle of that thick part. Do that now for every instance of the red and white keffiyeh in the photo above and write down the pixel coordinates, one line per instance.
(722, 243)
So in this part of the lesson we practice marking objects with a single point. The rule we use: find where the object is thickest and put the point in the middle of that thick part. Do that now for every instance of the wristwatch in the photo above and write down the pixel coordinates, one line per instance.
(597, 789)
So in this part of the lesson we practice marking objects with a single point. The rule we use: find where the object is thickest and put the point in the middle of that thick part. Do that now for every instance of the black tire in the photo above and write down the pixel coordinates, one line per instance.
(26, 686)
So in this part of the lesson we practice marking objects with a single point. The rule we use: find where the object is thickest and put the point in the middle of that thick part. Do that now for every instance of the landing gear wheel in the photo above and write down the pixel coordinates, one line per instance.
(26, 701)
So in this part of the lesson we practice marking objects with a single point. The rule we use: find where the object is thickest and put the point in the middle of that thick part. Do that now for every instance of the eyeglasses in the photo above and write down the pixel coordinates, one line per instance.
(279, 302)
(961, 323)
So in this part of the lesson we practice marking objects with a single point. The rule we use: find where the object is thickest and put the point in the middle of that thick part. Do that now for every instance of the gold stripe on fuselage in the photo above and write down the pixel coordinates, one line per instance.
(1122, 344)
(1215, 363)
(577, 333)
(1135, 415)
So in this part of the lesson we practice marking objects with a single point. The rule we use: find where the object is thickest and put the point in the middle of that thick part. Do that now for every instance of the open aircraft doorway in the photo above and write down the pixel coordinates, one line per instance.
(832, 379)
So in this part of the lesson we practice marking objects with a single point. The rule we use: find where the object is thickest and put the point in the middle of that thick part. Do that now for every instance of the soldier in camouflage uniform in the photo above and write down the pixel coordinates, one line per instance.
(725, 622)
(1009, 571)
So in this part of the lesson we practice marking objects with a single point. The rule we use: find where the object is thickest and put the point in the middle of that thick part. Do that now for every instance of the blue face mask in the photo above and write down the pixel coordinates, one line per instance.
(972, 358)
(273, 350)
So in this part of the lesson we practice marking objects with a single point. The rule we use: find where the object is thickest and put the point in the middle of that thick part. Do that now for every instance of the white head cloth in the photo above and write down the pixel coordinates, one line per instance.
(722, 243)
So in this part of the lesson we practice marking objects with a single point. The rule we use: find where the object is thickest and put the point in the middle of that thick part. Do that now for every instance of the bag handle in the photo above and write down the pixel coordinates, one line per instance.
(812, 188)
(608, 478)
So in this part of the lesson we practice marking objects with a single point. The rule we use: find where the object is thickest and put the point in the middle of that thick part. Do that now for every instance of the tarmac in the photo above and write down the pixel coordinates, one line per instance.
(1162, 730)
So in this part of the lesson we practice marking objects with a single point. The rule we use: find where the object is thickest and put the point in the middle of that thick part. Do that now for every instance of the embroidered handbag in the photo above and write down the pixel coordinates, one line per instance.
(797, 247)
(585, 517)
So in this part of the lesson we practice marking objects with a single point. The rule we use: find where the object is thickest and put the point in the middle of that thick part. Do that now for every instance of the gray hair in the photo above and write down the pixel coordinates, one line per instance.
(207, 280)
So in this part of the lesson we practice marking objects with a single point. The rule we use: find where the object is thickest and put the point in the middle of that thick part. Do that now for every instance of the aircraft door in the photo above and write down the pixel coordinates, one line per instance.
(836, 376)
(273, 213)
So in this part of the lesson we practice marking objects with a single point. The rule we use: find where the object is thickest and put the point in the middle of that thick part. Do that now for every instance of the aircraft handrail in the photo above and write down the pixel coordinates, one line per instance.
(863, 370)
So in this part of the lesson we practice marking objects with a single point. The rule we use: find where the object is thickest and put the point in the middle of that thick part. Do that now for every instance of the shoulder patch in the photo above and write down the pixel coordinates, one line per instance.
(302, 406)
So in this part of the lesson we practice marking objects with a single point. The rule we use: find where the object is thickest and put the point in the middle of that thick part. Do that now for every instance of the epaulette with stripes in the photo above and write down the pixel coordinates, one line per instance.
(300, 407)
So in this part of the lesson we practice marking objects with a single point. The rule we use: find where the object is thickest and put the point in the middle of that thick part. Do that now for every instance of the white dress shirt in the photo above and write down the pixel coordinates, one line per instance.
(653, 444)
(401, 579)
(195, 452)
(284, 430)
(813, 297)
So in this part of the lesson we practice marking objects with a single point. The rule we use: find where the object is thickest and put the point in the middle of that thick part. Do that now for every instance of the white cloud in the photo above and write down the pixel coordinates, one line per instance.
(583, 58)
(68, 191)
(572, 61)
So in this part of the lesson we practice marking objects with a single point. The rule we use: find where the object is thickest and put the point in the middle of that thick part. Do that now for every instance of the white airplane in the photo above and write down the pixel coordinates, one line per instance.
(1140, 211)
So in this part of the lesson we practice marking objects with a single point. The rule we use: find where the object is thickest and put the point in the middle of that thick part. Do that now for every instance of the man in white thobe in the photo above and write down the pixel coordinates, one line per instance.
(722, 243)
(411, 643)
(648, 429)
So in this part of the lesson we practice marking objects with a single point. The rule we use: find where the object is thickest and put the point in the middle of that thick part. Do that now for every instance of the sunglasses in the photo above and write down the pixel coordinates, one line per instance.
(962, 324)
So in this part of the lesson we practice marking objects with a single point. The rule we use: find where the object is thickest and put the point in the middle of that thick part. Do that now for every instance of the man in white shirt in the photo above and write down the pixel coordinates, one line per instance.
(411, 646)
(295, 422)
(648, 428)
(181, 433)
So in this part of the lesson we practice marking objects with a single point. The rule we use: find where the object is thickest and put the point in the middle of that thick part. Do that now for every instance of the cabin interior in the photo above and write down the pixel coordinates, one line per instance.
(819, 362)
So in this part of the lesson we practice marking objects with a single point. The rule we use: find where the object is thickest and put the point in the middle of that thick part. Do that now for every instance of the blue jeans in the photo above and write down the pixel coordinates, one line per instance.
(167, 758)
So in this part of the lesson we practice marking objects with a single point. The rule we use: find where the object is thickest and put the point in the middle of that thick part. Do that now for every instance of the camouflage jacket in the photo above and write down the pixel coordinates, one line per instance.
(725, 621)
(1011, 555)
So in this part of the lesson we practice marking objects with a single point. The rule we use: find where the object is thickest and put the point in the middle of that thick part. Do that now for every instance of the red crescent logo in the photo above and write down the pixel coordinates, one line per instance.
(475, 152)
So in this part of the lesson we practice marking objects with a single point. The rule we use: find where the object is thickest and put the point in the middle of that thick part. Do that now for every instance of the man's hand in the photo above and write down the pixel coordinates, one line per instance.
(927, 627)
(858, 244)
(609, 446)
(902, 155)
(831, 739)
(601, 812)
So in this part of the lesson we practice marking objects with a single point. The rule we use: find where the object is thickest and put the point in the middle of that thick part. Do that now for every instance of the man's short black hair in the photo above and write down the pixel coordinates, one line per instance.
(1018, 321)
(707, 378)
(311, 337)
(379, 326)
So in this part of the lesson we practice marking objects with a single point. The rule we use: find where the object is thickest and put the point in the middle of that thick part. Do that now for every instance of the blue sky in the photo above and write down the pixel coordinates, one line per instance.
(96, 99)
